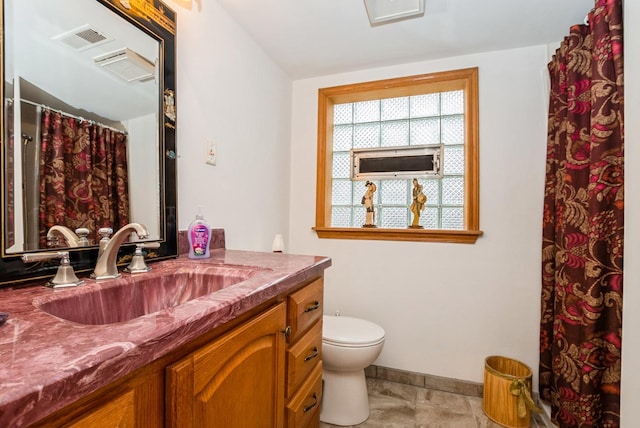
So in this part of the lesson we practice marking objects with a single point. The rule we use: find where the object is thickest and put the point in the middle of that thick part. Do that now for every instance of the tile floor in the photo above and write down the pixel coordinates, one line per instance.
(395, 405)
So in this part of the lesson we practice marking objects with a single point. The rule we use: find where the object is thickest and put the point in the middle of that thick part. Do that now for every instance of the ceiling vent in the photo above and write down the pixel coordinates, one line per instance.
(127, 65)
(387, 11)
(82, 38)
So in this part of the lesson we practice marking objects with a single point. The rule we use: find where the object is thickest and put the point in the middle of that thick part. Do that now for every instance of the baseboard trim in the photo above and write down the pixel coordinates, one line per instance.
(456, 386)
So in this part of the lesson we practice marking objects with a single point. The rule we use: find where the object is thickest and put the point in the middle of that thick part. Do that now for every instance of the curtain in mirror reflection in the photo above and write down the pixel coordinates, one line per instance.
(83, 179)
(9, 232)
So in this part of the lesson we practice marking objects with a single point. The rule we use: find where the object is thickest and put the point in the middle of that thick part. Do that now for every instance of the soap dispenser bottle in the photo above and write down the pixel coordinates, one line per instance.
(199, 235)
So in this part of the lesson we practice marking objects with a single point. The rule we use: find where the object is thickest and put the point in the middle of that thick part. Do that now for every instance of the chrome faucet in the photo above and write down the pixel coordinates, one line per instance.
(65, 276)
(106, 264)
(77, 239)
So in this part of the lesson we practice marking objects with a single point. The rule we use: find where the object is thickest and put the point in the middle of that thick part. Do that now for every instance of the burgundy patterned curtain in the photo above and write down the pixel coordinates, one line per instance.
(581, 325)
(10, 216)
(83, 176)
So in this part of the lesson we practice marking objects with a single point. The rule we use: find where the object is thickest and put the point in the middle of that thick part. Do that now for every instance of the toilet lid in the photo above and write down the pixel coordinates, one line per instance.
(348, 331)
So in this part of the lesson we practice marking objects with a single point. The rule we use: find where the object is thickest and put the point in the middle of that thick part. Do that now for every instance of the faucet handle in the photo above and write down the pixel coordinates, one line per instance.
(65, 276)
(105, 237)
(105, 233)
(36, 257)
(151, 245)
(138, 264)
(82, 233)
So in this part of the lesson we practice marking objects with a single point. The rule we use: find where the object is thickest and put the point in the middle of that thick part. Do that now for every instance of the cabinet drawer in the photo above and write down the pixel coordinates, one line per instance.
(303, 410)
(304, 308)
(303, 357)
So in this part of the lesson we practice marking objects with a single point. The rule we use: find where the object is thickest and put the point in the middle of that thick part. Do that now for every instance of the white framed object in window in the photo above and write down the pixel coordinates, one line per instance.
(396, 162)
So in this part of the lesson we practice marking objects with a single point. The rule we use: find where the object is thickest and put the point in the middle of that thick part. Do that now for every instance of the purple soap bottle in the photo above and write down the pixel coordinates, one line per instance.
(199, 235)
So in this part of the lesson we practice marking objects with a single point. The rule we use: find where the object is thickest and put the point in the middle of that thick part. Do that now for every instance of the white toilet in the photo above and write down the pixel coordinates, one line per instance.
(348, 346)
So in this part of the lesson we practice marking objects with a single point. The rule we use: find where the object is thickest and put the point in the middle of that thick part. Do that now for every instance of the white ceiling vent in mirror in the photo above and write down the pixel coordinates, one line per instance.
(82, 38)
(127, 65)
(387, 11)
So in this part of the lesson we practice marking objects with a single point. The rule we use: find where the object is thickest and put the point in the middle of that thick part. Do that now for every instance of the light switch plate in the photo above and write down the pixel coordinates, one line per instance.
(212, 153)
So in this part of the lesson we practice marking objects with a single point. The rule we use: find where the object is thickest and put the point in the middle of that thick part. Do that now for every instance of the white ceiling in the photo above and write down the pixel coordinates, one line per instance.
(312, 38)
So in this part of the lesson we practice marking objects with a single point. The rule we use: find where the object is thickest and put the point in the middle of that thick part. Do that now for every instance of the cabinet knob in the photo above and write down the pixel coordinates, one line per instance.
(312, 405)
(287, 331)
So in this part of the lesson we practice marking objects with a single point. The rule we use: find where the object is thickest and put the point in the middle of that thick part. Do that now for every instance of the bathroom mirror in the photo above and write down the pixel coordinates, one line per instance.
(89, 114)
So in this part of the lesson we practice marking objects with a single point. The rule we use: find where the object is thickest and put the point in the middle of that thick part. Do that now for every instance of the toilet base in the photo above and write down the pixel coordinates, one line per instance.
(345, 400)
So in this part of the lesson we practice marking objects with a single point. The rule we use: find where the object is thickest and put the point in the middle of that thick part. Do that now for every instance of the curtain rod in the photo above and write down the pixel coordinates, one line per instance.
(93, 122)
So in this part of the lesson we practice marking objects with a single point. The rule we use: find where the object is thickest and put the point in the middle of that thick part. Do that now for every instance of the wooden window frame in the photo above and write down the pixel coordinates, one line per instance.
(465, 79)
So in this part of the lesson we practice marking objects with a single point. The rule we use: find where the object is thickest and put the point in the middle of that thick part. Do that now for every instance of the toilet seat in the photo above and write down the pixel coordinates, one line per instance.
(351, 332)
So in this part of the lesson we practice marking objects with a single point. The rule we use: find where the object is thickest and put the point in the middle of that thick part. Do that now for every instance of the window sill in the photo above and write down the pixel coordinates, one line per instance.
(417, 235)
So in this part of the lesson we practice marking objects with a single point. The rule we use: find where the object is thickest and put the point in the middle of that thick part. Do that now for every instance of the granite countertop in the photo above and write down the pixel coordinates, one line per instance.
(48, 363)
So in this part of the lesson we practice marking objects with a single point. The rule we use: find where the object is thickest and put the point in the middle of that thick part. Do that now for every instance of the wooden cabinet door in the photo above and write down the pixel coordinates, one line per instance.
(135, 402)
(119, 412)
(236, 381)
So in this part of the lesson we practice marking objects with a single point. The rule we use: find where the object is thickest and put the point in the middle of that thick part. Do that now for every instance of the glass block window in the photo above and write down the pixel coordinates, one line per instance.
(431, 109)
(436, 118)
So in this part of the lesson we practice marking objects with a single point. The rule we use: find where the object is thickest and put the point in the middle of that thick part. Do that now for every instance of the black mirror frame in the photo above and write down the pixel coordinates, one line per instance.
(162, 27)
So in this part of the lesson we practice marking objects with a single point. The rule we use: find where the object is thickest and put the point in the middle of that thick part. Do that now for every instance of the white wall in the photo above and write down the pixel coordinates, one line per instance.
(230, 91)
(445, 307)
(631, 317)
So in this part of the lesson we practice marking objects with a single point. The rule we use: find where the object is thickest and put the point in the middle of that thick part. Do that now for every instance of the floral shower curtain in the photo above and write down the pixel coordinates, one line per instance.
(9, 231)
(83, 176)
(581, 326)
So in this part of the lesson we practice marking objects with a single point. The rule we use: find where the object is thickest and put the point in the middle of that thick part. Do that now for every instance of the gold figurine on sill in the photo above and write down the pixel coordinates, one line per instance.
(419, 201)
(367, 201)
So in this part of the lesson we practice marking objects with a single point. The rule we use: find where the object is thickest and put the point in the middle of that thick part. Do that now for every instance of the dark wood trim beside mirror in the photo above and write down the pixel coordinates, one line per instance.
(157, 20)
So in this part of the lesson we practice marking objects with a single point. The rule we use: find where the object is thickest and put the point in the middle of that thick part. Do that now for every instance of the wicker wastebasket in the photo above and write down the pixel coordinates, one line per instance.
(507, 392)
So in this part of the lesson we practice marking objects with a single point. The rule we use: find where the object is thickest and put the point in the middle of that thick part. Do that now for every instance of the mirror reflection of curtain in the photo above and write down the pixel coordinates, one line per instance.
(9, 232)
(83, 175)
(31, 178)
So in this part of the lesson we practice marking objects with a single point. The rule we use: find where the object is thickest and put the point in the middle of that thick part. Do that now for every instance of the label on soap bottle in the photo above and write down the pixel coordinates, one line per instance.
(199, 240)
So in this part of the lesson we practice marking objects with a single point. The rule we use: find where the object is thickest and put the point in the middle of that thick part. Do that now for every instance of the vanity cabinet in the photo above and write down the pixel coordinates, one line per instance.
(304, 356)
(265, 373)
(235, 381)
(263, 369)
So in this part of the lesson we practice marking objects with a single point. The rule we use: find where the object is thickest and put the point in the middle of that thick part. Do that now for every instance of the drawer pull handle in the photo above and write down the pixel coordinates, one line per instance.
(312, 307)
(312, 405)
(312, 355)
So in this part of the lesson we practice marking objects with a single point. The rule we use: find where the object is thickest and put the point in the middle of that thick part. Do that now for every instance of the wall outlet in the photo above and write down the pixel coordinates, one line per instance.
(212, 153)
